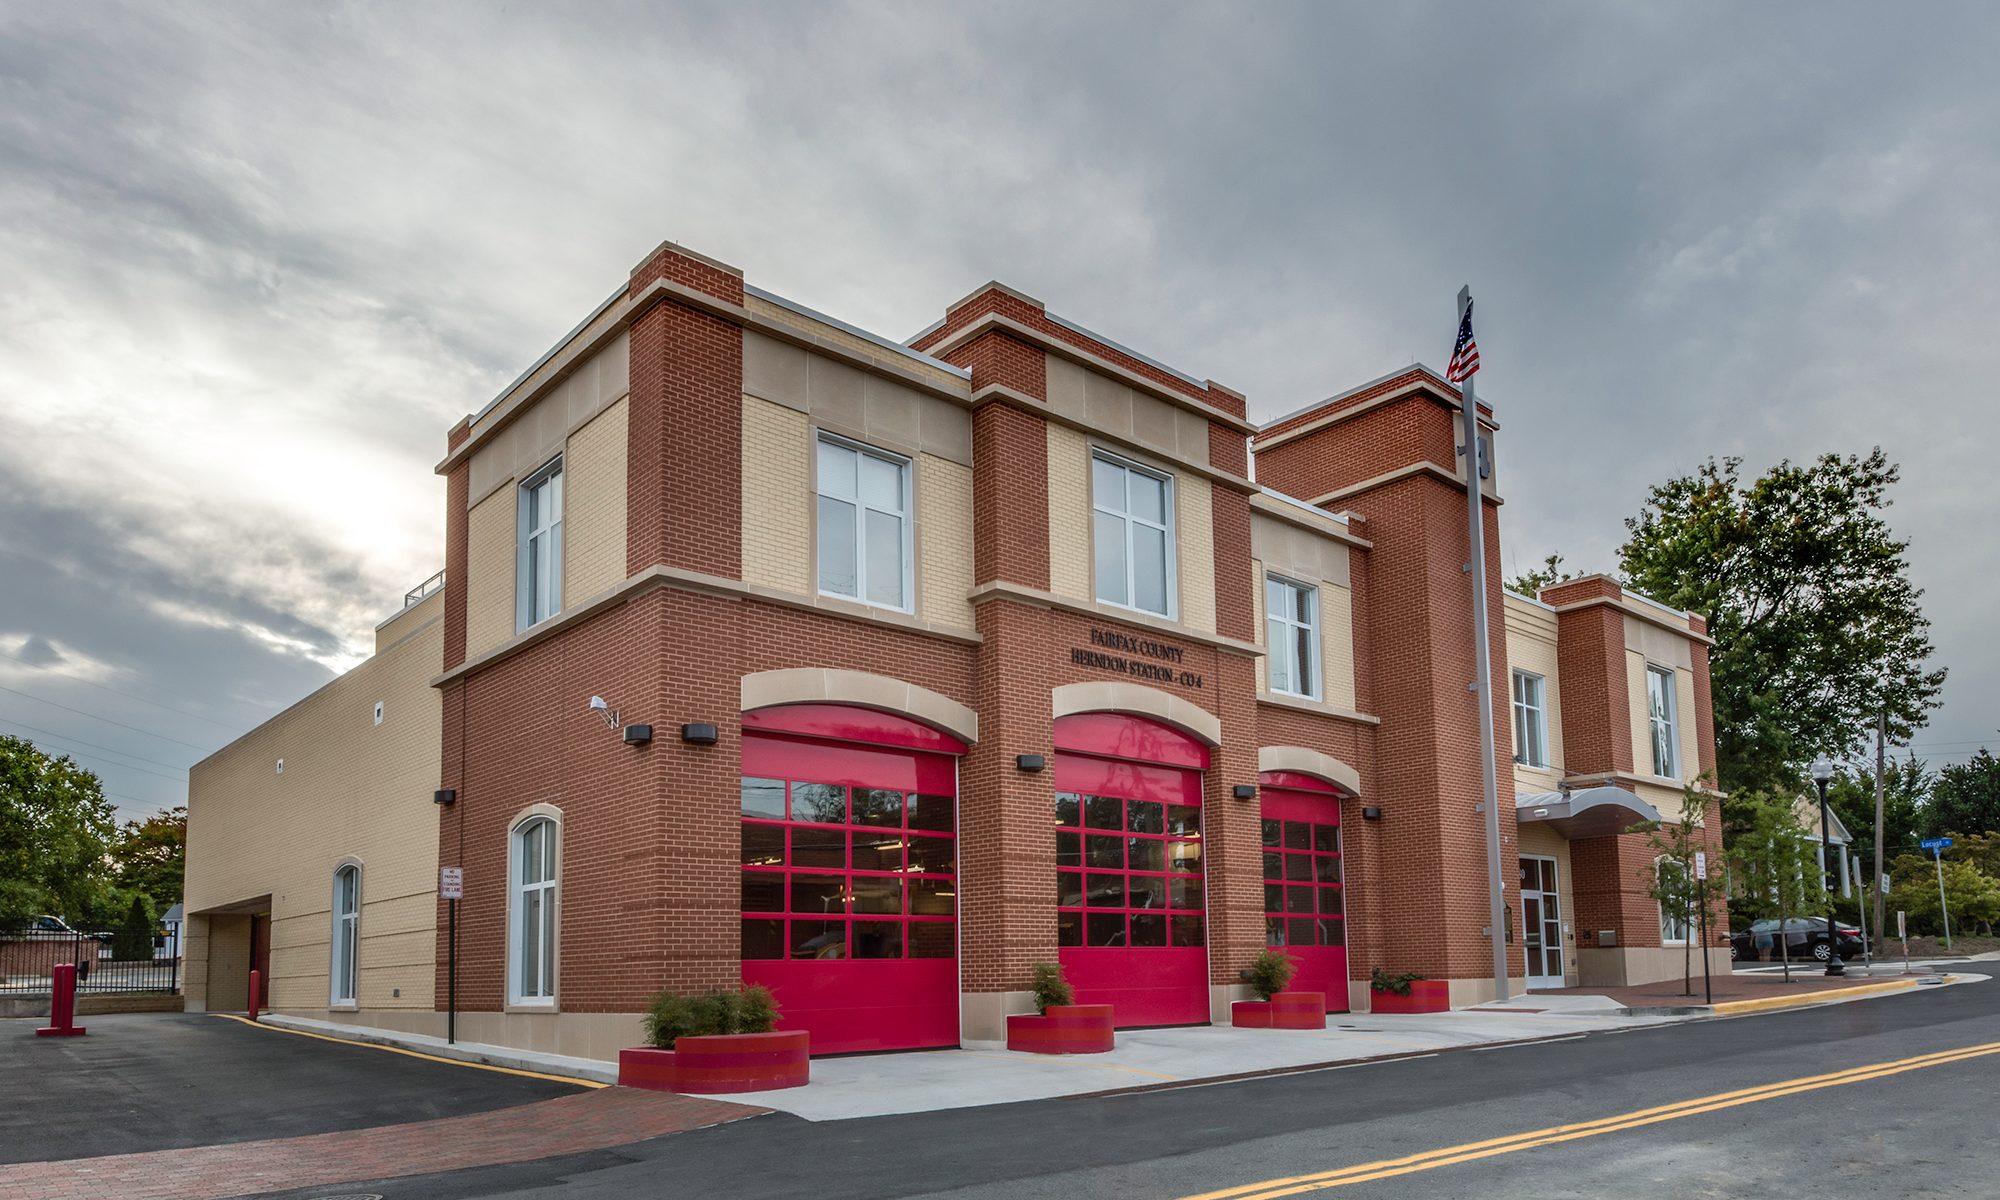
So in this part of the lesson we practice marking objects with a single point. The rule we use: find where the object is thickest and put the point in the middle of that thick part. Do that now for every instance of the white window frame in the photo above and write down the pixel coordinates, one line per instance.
(1531, 715)
(1684, 923)
(538, 544)
(344, 953)
(906, 473)
(1662, 722)
(1099, 504)
(548, 931)
(1282, 630)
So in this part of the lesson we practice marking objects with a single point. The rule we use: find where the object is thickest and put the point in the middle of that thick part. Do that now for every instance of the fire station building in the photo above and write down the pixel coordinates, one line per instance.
(771, 650)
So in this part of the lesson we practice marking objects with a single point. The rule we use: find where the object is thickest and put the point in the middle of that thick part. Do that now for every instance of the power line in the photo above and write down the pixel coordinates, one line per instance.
(121, 692)
(107, 720)
(110, 762)
(63, 737)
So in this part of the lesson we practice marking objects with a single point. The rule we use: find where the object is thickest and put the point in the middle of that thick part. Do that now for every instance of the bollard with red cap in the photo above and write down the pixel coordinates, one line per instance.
(62, 1003)
(256, 993)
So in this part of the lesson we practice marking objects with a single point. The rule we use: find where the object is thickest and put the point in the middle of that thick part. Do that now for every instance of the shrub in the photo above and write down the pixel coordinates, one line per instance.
(1381, 981)
(1270, 972)
(133, 940)
(1050, 987)
(671, 1016)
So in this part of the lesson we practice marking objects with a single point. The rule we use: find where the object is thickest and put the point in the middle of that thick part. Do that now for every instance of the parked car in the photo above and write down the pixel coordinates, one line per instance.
(1805, 938)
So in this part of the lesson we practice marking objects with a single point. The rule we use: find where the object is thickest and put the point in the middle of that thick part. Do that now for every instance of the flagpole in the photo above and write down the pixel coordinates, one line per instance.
(1482, 682)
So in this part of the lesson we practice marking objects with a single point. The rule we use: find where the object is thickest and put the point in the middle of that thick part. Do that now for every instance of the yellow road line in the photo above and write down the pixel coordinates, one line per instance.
(1767, 1003)
(1270, 1189)
(455, 1062)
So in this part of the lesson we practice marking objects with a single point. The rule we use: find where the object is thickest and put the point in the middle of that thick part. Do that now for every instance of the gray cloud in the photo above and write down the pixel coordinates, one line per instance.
(260, 257)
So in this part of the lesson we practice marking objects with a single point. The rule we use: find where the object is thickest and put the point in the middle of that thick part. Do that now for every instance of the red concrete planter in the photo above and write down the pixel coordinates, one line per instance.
(1426, 996)
(1284, 1010)
(730, 1062)
(1064, 1029)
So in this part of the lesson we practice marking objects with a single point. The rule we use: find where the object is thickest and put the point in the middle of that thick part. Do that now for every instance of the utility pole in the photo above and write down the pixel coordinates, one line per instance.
(1881, 736)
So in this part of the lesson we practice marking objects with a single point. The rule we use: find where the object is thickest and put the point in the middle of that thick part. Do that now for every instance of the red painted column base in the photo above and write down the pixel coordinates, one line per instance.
(58, 1031)
(1284, 1010)
(62, 1003)
(1063, 1029)
(723, 1063)
(1426, 996)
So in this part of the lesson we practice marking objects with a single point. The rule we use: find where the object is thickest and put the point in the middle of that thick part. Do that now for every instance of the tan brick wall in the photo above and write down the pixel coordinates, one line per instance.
(350, 788)
(1194, 521)
(491, 530)
(777, 496)
(944, 540)
(1642, 731)
(1531, 647)
(594, 506)
(1069, 514)
(537, 433)
(1336, 641)
(1684, 723)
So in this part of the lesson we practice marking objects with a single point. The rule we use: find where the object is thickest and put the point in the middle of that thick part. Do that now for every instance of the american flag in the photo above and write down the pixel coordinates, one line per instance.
(1464, 355)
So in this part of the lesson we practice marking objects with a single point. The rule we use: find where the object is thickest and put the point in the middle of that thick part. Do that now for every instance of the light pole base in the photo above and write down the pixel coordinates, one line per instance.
(1835, 967)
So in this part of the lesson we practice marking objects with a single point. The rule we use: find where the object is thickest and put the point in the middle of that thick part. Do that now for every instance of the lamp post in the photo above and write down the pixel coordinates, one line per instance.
(1822, 773)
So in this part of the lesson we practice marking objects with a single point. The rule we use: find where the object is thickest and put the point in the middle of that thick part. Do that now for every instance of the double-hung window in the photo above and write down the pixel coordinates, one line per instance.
(1676, 914)
(1292, 618)
(1132, 526)
(864, 524)
(1531, 720)
(1661, 717)
(538, 592)
(531, 975)
(346, 934)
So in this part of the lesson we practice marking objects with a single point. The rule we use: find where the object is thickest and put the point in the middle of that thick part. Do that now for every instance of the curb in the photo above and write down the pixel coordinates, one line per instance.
(560, 1068)
(1731, 1008)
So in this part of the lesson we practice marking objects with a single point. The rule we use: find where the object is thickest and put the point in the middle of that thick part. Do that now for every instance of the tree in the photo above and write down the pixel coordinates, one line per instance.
(1965, 798)
(134, 940)
(1532, 581)
(1672, 881)
(1972, 894)
(150, 857)
(55, 827)
(1773, 866)
(1807, 595)
(1982, 850)
(1906, 787)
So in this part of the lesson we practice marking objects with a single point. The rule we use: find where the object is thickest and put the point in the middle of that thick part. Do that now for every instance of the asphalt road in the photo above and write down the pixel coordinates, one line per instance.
(1925, 1130)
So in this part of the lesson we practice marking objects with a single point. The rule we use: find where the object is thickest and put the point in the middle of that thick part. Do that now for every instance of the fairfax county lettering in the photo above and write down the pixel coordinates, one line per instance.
(1114, 640)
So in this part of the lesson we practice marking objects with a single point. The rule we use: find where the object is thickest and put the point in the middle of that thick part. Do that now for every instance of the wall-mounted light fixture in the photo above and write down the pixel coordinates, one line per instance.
(1030, 762)
(638, 735)
(610, 714)
(699, 733)
(1371, 813)
(445, 796)
(1244, 791)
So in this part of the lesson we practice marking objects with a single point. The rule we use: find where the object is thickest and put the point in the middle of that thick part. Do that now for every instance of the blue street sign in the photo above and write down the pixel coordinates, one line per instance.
(1935, 844)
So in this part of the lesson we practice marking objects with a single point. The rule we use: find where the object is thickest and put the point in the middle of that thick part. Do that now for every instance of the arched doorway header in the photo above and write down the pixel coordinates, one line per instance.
(1310, 762)
(1136, 699)
(826, 685)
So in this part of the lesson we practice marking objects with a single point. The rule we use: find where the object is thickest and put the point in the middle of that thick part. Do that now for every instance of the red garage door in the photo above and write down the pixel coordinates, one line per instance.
(1130, 914)
(1305, 898)
(850, 869)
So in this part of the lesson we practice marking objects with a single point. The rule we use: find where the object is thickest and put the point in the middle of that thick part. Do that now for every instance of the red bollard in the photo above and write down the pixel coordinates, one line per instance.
(256, 993)
(62, 1003)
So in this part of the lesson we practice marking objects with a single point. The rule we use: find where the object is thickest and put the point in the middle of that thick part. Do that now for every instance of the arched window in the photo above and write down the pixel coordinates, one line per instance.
(346, 934)
(531, 973)
(1674, 919)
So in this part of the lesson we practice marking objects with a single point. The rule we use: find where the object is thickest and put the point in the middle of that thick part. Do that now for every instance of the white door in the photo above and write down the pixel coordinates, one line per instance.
(1541, 921)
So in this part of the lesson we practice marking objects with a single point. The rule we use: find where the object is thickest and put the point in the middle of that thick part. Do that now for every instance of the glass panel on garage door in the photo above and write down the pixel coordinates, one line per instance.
(850, 875)
(1305, 886)
(1131, 910)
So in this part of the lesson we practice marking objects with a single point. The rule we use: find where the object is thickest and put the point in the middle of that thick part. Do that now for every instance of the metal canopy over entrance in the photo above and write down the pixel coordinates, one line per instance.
(1585, 812)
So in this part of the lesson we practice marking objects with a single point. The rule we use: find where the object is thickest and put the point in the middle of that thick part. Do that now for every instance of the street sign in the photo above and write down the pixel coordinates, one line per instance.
(1935, 844)
(451, 883)
(1701, 864)
(1902, 931)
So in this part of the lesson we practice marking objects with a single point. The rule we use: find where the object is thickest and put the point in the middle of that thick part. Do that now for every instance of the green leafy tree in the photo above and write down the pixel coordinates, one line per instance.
(1965, 798)
(1531, 582)
(150, 857)
(133, 942)
(1773, 866)
(1671, 879)
(55, 829)
(1973, 895)
(1982, 850)
(1906, 787)
(1808, 597)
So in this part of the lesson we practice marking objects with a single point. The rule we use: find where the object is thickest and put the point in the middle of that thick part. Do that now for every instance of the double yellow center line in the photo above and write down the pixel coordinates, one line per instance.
(1447, 1156)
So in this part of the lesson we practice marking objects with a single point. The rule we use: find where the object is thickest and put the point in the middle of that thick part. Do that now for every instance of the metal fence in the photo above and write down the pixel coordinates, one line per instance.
(27, 960)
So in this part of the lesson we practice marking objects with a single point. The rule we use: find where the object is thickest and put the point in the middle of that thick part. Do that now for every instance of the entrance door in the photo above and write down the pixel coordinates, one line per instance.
(849, 876)
(1304, 893)
(1541, 921)
(1131, 916)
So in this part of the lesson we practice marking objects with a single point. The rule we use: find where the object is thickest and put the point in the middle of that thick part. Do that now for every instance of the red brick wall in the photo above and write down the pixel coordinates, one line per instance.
(1590, 658)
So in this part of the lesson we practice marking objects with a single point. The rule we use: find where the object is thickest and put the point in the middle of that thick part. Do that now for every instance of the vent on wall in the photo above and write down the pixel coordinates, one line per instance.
(378, 712)
(281, 766)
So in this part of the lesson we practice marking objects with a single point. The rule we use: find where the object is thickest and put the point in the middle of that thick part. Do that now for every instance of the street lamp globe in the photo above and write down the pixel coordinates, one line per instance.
(1822, 769)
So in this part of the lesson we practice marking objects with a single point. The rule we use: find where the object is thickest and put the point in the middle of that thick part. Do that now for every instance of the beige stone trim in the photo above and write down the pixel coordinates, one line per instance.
(1000, 393)
(1426, 467)
(1326, 526)
(825, 685)
(1082, 357)
(1003, 590)
(1136, 699)
(1317, 708)
(1348, 414)
(714, 585)
(594, 336)
(684, 252)
(1639, 614)
(1309, 762)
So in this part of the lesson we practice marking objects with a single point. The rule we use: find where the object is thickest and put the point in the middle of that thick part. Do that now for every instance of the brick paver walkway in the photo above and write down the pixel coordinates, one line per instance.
(567, 1125)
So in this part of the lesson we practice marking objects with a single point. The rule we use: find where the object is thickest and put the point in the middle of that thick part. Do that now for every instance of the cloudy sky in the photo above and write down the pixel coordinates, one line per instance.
(255, 260)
